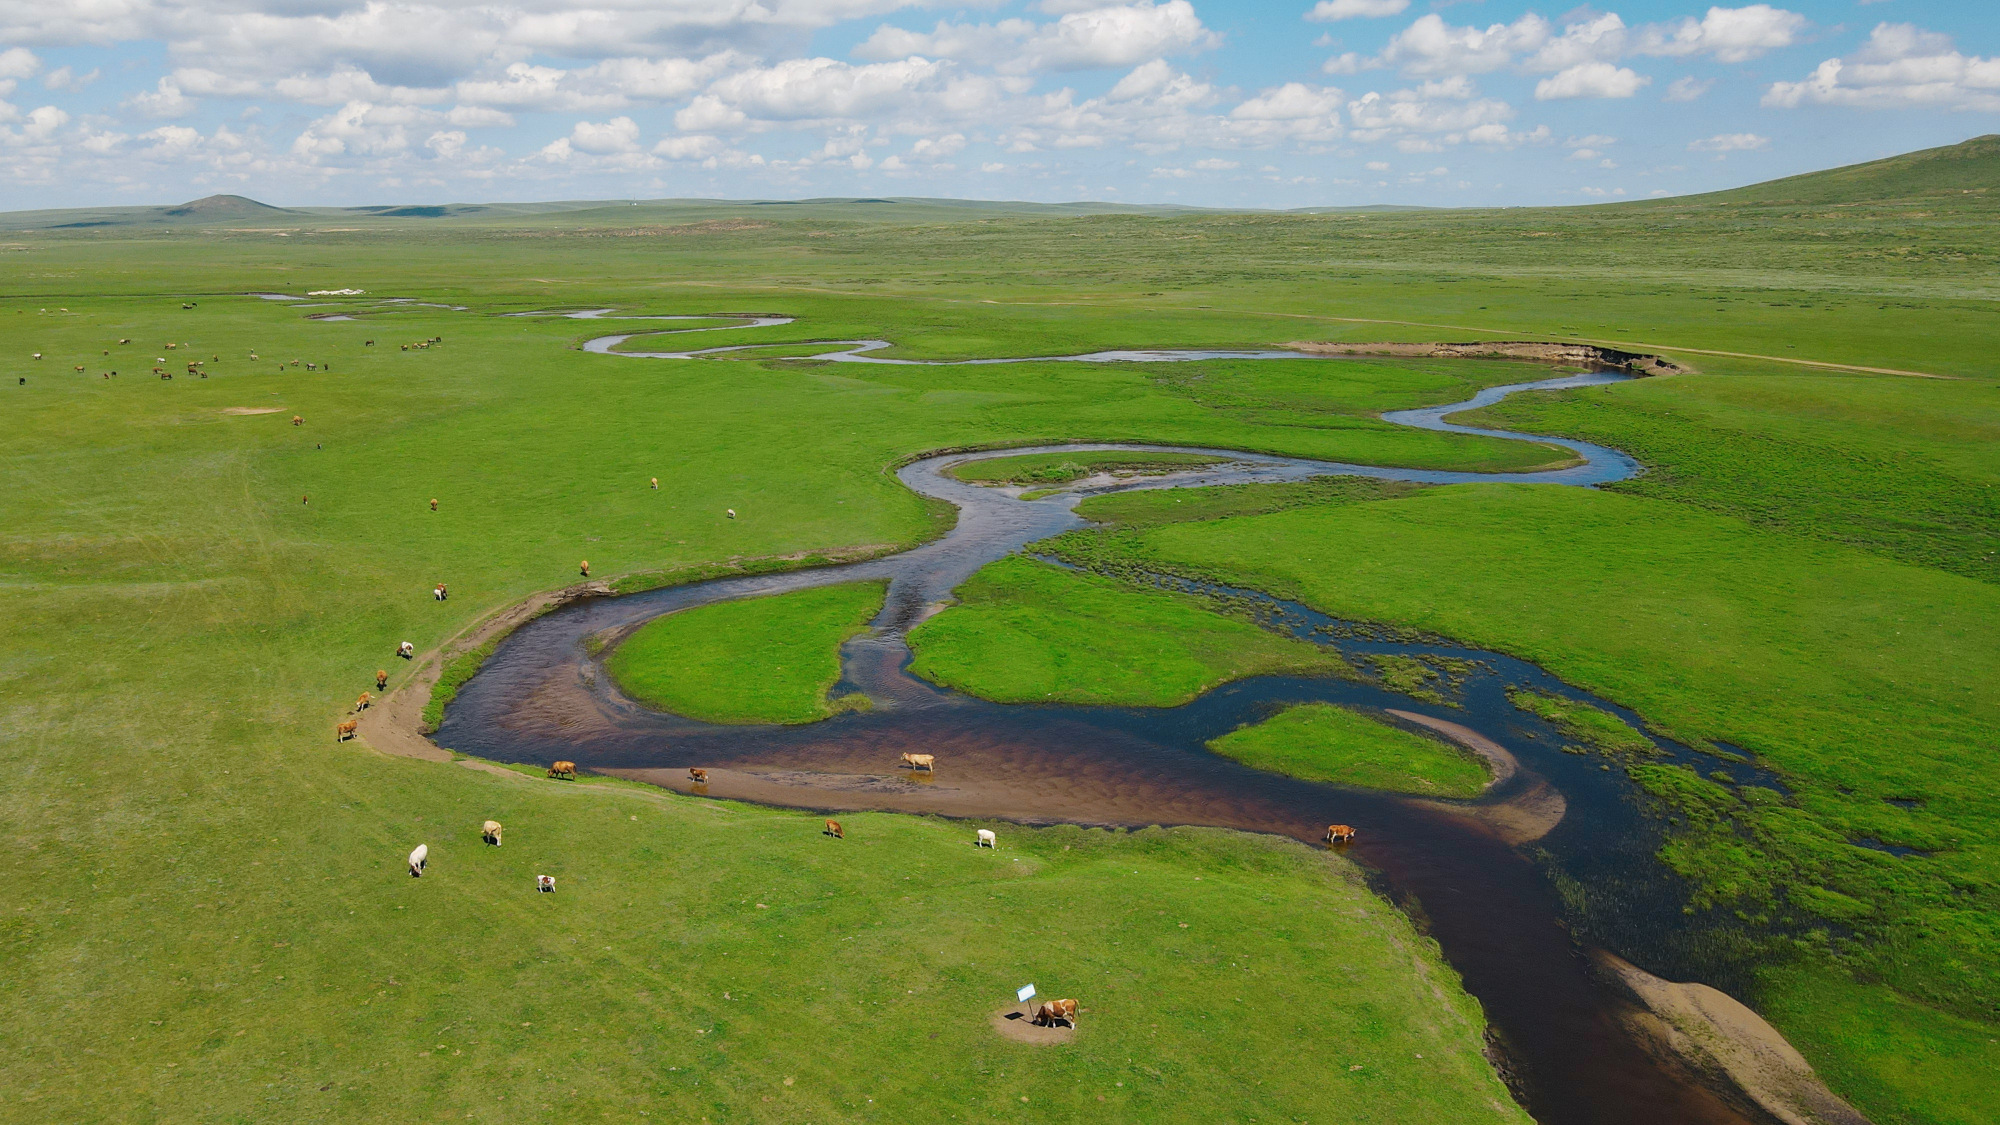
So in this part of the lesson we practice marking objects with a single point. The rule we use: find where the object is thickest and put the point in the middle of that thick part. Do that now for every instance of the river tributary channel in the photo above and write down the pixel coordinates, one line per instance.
(1481, 876)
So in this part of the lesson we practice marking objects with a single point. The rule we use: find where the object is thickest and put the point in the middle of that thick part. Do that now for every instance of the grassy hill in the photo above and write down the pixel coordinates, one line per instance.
(1964, 174)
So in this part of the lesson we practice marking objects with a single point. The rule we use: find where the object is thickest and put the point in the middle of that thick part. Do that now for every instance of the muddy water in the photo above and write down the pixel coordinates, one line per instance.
(1490, 904)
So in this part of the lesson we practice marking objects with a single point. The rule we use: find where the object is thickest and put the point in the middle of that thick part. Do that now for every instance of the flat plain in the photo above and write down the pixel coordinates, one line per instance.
(211, 920)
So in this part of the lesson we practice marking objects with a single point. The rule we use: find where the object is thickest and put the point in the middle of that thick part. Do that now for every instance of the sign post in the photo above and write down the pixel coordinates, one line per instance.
(1025, 994)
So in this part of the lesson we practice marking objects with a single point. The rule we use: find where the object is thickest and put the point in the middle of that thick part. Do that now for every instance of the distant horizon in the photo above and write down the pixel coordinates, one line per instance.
(1221, 104)
(585, 203)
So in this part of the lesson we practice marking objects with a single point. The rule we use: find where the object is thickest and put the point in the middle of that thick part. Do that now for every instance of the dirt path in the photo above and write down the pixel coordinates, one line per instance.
(395, 724)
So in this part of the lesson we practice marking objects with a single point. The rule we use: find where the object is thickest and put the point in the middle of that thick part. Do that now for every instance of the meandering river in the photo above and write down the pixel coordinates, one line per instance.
(1476, 874)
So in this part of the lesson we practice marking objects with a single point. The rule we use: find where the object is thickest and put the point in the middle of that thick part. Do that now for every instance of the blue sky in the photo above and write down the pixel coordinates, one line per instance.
(1261, 103)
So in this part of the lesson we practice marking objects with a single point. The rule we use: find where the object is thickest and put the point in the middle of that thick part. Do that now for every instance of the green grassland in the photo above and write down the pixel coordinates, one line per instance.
(1028, 632)
(1062, 468)
(1861, 679)
(1322, 742)
(179, 633)
(763, 660)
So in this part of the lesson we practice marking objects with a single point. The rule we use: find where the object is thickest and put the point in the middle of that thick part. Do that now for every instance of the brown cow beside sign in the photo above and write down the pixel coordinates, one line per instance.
(1050, 1011)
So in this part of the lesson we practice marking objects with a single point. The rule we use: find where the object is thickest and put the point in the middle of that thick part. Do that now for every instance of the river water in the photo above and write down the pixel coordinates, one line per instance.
(1471, 877)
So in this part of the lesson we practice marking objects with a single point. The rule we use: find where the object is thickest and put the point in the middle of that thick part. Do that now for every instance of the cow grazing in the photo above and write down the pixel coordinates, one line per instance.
(298, 421)
(418, 858)
(1048, 1013)
(1338, 833)
(986, 839)
(437, 592)
(346, 730)
(406, 650)
(583, 568)
(381, 679)
(656, 480)
(697, 775)
(367, 343)
(731, 511)
(833, 830)
(920, 762)
(434, 504)
(362, 703)
(565, 770)
(79, 367)
(545, 884)
(127, 340)
(490, 832)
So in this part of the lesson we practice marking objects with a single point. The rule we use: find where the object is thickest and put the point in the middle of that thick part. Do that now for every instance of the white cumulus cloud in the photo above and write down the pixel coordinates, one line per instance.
(1591, 80)
(1732, 35)
(1900, 67)
(1328, 10)
(1730, 142)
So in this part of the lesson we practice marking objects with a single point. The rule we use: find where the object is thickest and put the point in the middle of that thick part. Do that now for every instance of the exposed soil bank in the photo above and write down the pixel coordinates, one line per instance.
(395, 724)
(1716, 1034)
(1588, 354)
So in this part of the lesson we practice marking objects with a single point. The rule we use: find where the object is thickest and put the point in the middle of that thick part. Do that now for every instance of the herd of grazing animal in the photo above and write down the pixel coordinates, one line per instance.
(420, 857)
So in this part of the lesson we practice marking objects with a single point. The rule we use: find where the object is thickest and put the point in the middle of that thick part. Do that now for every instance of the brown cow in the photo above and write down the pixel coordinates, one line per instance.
(584, 567)
(563, 770)
(362, 703)
(346, 730)
(1053, 1010)
(1338, 833)
(920, 762)
(490, 832)
(434, 504)
(833, 830)
(381, 679)
(298, 421)
(698, 776)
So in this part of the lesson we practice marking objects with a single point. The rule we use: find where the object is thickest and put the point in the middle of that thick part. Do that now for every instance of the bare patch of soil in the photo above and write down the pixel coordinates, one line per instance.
(1017, 1024)
(1506, 349)
(253, 410)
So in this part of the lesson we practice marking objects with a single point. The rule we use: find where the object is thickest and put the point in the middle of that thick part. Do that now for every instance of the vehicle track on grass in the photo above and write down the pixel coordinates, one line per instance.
(1575, 1038)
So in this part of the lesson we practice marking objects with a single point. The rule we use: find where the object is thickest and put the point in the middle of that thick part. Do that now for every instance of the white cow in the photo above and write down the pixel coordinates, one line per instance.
(417, 860)
(986, 838)
(545, 883)
(406, 650)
